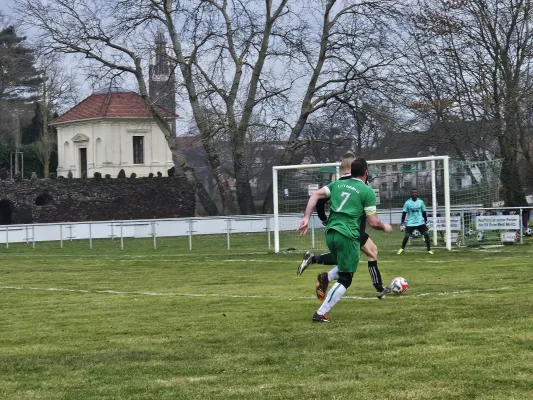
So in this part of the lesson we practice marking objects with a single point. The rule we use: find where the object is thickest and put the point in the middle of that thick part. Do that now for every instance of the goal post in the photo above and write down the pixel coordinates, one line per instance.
(276, 197)
(394, 178)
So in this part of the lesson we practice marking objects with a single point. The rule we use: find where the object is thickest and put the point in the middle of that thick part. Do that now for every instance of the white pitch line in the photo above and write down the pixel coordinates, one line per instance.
(206, 260)
(116, 292)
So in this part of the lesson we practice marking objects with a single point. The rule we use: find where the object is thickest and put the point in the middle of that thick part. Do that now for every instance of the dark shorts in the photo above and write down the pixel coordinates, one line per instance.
(421, 228)
(363, 239)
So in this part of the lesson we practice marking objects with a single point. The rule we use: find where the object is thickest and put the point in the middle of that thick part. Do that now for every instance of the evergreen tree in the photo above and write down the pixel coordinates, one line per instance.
(19, 79)
(32, 131)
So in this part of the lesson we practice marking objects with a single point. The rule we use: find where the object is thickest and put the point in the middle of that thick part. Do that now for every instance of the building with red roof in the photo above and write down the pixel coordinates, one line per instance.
(108, 131)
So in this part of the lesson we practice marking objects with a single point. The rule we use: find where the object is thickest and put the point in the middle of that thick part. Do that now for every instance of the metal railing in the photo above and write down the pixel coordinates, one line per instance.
(120, 230)
(228, 226)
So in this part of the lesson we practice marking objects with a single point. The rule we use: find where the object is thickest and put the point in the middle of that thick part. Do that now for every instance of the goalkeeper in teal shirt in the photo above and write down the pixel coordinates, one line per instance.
(417, 219)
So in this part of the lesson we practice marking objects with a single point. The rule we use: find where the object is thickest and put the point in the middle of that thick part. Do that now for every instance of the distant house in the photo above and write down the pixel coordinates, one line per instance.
(109, 131)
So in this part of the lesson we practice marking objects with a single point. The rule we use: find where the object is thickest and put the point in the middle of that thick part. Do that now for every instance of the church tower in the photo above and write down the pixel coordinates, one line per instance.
(162, 79)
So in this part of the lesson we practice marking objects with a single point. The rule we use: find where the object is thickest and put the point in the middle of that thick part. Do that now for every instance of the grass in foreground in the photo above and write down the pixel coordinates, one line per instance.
(219, 324)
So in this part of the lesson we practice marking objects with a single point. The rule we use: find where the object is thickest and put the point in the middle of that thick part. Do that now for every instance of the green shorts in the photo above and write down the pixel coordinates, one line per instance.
(345, 251)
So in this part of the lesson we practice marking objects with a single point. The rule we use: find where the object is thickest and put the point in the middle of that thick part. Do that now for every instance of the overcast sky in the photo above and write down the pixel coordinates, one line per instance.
(4, 6)
(75, 66)
(6, 10)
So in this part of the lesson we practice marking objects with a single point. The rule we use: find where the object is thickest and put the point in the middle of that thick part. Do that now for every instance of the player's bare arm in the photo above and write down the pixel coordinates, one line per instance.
(313, 199)
(374, 221)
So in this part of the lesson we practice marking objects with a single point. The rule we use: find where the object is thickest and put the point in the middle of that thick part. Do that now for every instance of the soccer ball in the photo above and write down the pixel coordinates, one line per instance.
(528, 232)
(399, 285)
(416, 233)
(470, 233)
(480, 236)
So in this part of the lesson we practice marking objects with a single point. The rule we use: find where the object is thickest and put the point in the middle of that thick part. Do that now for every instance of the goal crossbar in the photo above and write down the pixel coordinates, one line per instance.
(446, 172)
(370, 162)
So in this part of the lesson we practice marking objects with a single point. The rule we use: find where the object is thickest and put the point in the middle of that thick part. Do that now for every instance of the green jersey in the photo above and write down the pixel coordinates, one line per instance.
(350, 200)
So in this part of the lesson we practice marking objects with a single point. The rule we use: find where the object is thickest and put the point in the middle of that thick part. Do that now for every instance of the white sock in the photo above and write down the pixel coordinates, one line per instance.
(333, 275)
(332, 298)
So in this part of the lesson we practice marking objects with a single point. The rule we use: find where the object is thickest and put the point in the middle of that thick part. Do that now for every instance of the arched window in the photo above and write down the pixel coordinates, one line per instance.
(66, 156)
(99, 156)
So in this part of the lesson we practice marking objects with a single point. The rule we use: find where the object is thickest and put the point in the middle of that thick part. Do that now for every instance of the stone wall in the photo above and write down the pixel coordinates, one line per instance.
(74, 200)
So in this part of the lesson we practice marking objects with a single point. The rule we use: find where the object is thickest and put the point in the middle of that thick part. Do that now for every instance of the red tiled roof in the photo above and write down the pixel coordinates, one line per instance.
(110, 105)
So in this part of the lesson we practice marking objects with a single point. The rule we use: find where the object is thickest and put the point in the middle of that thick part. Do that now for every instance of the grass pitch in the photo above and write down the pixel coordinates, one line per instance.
(236, 324)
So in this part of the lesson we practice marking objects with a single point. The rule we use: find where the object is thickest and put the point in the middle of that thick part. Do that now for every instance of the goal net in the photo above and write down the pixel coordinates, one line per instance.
(477, 207)
(477, 216)
(392, 180)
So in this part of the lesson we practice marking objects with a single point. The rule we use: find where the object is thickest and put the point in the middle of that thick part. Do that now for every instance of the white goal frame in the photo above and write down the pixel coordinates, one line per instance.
(447, 206)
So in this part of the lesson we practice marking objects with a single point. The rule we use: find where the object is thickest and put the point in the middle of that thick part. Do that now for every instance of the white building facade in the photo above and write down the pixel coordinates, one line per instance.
(110, 142)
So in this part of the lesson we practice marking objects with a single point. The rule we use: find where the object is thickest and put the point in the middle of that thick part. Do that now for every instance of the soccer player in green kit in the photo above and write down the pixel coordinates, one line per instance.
(350, 200)
(368, 247)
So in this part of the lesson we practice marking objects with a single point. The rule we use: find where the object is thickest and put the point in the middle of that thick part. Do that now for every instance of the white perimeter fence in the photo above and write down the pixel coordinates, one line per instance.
(196, 227)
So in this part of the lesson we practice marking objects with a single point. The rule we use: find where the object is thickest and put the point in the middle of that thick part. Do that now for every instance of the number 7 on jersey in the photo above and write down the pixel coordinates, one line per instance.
(346, 196)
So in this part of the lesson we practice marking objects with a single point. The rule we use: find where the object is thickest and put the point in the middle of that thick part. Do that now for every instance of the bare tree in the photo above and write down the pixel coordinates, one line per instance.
(442, 97)
(62, 86)
(367, 119)
(224, 50)
(353, 45)
(59, 92)
(236, 57)
(46, 141)
(232, 44)
(103, 33)
(470, 61)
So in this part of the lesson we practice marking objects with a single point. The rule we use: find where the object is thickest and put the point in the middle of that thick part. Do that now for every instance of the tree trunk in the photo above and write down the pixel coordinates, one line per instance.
(228, 206)
(268, 203)
(238, 130)
(244, 191)
(207, 202)
(177, 155)
(509, 143)
(514, 195)
(306, 108)
(47, 168)
(199, 116)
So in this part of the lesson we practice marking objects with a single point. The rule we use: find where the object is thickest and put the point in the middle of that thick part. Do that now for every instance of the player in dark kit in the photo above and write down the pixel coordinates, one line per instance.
(368, 247)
